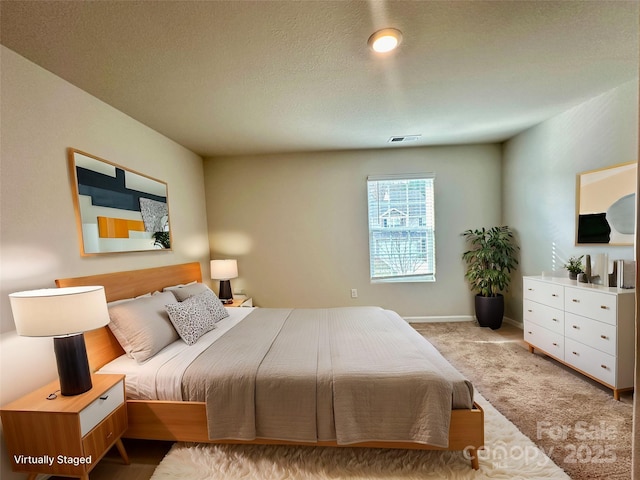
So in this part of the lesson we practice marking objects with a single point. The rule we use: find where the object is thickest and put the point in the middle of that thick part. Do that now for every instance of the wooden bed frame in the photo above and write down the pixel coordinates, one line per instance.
(187, 421)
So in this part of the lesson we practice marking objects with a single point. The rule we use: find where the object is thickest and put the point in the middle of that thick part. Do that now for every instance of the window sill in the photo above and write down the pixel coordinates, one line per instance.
(416, 279)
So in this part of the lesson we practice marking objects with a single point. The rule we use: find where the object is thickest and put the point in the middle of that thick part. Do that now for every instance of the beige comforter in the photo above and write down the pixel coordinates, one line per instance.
(346, 374)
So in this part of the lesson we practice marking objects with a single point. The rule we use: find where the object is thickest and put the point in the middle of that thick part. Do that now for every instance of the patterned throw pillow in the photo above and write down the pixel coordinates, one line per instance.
(200, 290)
(191, 319)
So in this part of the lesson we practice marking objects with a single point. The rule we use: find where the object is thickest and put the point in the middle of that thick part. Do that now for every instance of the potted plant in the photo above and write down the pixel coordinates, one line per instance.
(574, 266)
(162, 239)
(490, 261)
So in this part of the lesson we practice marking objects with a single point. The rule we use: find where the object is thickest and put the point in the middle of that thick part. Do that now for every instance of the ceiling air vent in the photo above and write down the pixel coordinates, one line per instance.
(404, 138)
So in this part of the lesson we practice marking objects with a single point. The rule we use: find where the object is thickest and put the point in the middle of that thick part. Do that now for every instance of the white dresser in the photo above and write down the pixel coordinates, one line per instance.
(587, 327)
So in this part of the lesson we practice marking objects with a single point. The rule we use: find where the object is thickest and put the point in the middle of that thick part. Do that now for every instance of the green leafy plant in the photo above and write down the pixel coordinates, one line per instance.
(574, 265)
(490, 259)
(162, 239)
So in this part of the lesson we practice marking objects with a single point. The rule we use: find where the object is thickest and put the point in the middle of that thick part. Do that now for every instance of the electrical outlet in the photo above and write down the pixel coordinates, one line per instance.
(354, 293)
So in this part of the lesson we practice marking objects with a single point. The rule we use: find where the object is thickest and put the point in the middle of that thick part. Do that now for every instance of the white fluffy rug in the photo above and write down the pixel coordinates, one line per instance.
(508, 455)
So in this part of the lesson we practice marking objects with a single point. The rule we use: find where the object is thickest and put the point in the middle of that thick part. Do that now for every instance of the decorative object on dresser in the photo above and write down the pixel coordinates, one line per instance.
(574, 266)
(490, 261)
(68, 436)
(589, 328)
(63, 313)
(224, 270)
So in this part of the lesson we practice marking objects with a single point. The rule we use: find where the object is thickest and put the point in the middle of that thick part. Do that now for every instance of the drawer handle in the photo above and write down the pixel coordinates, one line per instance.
(104, 397)
(529, 310)
(575, 300)
(530, 289)
(576, 327)
(604, 337)
(604, 307)
(109, 435)
(554, 319)
(575, 353)
(554, 294)
(555, 344)
(605, 367)
(530, 332)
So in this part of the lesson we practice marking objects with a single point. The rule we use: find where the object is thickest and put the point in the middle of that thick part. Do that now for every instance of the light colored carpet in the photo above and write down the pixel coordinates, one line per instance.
(508, 455)
(578, 424)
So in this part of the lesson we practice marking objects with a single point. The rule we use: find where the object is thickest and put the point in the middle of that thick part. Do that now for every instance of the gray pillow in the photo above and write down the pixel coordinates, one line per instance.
(213, 305)
(182, 292)
(191, 319)
(142, 326)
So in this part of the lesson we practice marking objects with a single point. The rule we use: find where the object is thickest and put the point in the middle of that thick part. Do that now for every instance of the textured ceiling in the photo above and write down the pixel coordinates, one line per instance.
(244, 77)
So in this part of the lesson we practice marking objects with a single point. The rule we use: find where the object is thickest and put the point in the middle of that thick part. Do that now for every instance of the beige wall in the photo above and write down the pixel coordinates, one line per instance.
(41, 116)
(297, 224)
(539, 179)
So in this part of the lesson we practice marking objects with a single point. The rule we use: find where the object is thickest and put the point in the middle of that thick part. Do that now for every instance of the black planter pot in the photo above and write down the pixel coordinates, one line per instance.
(489, 311)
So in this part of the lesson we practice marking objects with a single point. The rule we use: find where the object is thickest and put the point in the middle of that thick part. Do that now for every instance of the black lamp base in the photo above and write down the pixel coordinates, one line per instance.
(73, 365)
(225, 294)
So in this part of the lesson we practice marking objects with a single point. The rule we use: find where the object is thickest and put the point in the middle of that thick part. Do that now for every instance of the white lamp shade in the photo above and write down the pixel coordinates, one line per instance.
(224, 269)
(54, 312)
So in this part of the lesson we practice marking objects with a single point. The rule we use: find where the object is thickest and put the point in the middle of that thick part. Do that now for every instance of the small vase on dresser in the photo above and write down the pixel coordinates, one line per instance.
(587, 327)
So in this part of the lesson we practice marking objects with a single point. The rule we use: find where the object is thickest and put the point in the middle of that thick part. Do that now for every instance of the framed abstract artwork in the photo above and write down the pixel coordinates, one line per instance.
(117, 210)
(606, 205)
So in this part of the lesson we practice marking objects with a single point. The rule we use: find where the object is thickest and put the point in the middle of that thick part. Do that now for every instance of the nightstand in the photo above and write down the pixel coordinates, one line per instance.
(66, 435)
(241, 301)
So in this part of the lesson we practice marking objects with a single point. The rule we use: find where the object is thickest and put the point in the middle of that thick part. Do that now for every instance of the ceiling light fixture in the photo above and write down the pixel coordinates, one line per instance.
(385, 40)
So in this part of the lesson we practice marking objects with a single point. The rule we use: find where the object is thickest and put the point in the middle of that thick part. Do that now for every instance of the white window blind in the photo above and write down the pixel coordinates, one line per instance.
(401, 228)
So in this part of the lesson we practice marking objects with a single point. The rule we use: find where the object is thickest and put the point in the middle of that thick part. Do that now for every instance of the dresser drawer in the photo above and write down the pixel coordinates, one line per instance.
(546, 340)
(599, 335)
(591, 361)
(98, 410)
(545, 316)
(591, 304)
(544, 293)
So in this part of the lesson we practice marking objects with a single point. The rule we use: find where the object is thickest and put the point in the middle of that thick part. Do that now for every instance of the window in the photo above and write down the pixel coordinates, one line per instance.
(401, 228)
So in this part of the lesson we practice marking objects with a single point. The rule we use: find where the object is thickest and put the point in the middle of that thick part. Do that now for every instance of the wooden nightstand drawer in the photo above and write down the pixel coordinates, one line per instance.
(101, 407)
(105, 434)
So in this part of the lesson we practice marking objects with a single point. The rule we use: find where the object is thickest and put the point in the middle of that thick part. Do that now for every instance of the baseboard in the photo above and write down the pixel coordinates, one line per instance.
(440, 319)
(513, 322)
(457, 318)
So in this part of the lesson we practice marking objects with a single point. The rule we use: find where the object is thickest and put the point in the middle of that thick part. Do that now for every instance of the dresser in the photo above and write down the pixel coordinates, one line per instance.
(589, 328)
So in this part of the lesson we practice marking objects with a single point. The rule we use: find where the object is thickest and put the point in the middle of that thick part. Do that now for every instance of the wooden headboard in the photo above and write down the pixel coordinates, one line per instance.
(102, 346)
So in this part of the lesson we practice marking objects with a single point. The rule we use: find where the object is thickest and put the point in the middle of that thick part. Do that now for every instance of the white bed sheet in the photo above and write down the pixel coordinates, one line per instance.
(160, 377)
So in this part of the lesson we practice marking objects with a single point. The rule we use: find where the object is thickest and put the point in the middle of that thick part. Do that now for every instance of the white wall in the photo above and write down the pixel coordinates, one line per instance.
(42, 115)
(297, 224)
(539, 179)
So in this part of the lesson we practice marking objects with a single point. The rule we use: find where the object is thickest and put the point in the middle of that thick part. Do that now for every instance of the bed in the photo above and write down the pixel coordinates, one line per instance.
(332, 424)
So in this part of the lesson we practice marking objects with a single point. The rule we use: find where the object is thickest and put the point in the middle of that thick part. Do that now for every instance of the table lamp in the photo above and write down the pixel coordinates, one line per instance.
(224, 270)
(64, 314)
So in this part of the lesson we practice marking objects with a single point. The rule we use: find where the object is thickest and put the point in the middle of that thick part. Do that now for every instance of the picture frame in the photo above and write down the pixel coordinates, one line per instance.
(117, 210)
(605, 205)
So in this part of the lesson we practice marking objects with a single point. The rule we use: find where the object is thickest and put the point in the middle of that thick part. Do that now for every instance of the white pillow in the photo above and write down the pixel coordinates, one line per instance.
(142, 326)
